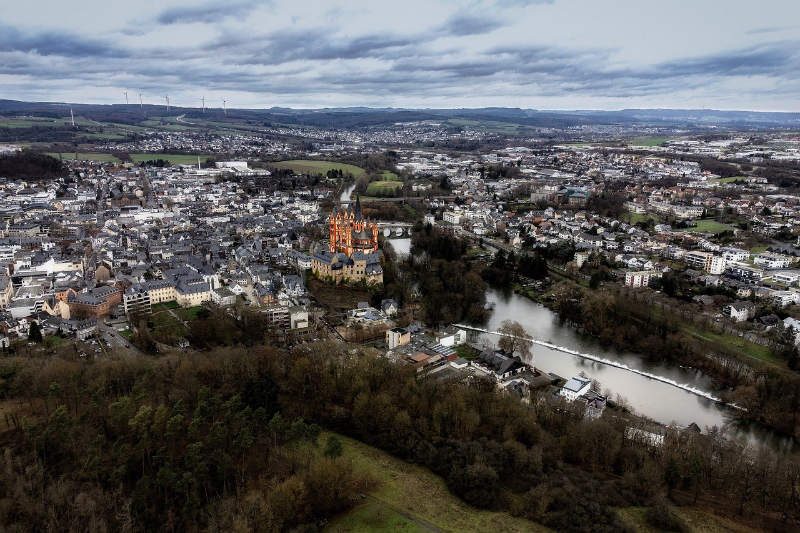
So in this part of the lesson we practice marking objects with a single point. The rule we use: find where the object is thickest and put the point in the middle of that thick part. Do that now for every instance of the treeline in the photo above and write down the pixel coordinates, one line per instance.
(451, 287)
(27, 164)
(769, 396)
(542, 461)
(225, 440)
(503, 269)
(373, 162)
(158, 163)
(177, 444)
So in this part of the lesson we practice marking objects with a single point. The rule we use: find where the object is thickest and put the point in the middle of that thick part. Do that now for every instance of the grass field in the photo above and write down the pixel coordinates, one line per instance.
(318, 167)
(506, 128)
(749, 349)
(407, 493)
(709, 226)
(634, 218)
(729, 180)
(190, 313)
(175, 159)
(383, 187)
(105, 158)
(648, 141)
(375, 517)
(156, 308)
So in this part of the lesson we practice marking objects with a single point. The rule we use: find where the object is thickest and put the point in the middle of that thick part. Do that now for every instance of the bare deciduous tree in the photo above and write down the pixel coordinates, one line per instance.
(515, 339)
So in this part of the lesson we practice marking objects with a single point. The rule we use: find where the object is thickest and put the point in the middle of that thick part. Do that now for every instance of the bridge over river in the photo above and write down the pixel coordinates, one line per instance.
(395, 229)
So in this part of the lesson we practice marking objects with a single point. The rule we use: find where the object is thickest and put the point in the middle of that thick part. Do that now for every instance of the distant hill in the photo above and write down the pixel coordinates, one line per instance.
(358, 117)
(28, 165)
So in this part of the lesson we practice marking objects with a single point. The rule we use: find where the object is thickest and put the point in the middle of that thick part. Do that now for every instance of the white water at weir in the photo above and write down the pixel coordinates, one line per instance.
(615, 364)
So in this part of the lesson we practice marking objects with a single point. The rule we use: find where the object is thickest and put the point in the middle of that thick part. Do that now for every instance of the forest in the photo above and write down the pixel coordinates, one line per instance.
(228, 440)
(452, 286)
(27, 164)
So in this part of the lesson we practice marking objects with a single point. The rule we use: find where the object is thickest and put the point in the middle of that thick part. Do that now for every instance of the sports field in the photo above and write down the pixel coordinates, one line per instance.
(709, 226)
(383, 187)
(309, 166)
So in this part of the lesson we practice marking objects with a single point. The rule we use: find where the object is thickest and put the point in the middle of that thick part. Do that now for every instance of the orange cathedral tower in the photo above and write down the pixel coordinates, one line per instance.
(351, 233)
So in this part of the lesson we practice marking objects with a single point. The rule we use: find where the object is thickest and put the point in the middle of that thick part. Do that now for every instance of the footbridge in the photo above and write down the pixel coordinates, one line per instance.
(603, 361)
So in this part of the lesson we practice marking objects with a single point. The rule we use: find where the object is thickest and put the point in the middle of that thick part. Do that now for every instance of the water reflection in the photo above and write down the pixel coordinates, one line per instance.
(402, 247)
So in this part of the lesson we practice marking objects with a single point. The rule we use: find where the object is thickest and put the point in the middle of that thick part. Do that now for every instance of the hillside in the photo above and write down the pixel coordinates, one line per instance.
(26, 164)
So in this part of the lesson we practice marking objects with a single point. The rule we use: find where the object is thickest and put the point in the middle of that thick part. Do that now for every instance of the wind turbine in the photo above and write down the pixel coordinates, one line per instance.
(141, 107)
(71, 116)
(126, 97)
(224, 107)
(204, 104)
(167, 99)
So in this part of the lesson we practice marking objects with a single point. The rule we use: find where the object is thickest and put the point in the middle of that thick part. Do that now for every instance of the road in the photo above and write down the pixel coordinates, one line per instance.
(115, 340)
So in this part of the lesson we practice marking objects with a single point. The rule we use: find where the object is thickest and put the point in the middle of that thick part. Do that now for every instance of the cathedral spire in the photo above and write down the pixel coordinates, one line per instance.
(357, 209)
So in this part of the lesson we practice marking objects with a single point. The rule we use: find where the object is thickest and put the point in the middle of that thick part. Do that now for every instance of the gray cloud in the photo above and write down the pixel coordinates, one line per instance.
(56, 44)
(314, 59)
(464, 24)
(205, 13)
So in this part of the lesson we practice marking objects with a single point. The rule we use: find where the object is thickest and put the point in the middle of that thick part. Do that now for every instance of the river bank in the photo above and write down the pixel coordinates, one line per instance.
(658, 400)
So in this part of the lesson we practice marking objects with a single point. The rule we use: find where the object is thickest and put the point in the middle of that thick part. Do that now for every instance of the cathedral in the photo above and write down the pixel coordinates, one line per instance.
(349, 232)
(353, 254)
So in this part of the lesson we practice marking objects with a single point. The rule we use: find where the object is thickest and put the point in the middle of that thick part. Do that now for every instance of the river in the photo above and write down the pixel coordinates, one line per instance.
(345, 196)
(660, 401)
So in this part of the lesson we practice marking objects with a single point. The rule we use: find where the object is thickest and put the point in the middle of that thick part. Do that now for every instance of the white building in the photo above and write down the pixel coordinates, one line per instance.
(771, 261)
(235, 165)
(641, 278)
(452, 217)
(735, 255)
(575, 388)
(784, 298)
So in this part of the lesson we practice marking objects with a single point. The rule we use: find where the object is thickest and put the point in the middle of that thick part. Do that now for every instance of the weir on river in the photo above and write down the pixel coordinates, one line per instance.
(605, 361)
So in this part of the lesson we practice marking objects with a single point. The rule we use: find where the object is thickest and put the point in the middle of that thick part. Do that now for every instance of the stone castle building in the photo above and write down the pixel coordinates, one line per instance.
(352, 255)
(349, 232)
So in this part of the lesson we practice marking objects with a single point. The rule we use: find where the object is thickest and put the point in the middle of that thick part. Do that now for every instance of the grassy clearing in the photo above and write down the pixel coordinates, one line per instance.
(104, 158)
(695, 519)
(467, 352)
(507, 128)
(729, 180)
(54, 340)
(157, 308)
(378, 188)
(374, 517)
(175, 159)
(190, 313)
(407, 490)
(648, 141)
(709, 226)
(749, 349)
(634, 218)
(308, 166)
(165, 320)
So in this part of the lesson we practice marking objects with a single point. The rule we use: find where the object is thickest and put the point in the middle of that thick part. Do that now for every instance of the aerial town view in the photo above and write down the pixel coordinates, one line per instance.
(490, 266)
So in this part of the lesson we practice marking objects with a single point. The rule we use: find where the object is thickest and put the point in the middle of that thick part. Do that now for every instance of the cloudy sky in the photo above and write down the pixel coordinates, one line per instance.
(557, 54)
